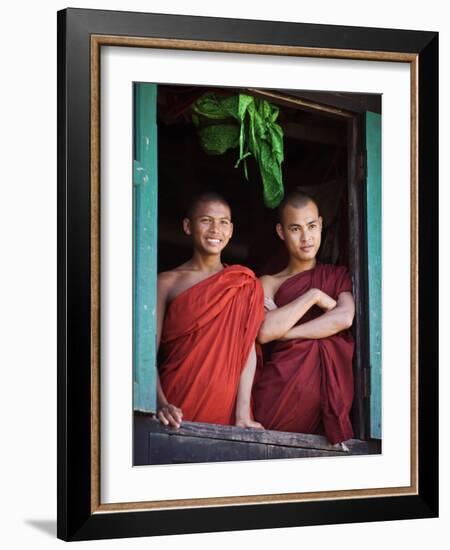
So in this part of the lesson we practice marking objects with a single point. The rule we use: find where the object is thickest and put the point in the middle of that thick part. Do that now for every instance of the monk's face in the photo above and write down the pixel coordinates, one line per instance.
(301, 230)
(210, 227)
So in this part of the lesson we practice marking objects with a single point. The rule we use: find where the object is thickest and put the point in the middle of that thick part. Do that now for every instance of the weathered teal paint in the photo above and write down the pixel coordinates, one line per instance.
(145, 203)
(373, 147)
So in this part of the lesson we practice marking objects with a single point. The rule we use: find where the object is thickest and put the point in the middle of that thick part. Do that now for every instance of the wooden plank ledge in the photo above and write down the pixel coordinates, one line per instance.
(253, 435)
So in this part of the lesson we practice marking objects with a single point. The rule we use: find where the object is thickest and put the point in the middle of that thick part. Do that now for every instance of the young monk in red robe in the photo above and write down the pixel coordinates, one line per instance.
(307, 384)
(208, 318)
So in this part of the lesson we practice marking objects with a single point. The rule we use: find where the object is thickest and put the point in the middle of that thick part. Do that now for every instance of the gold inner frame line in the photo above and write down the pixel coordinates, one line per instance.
(264, 49)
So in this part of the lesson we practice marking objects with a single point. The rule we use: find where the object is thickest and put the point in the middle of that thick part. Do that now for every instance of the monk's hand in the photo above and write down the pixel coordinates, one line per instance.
(169, 414)
(248, 423)
(325, 302)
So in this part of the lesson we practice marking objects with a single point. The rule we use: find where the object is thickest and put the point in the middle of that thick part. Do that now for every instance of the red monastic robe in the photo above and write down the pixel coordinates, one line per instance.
(207, 336)
(306, 386)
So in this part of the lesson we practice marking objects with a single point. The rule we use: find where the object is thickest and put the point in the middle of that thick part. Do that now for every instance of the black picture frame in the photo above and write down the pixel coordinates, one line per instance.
(77, 475)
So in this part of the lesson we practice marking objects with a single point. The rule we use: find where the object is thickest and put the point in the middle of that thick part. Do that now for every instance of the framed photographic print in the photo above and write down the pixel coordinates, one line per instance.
(213, 174)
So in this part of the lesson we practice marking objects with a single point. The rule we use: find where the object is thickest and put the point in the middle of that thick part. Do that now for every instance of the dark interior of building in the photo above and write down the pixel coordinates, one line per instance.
(315, 160)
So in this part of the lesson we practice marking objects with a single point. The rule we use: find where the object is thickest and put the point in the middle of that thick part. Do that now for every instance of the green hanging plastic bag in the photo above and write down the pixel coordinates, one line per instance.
(247, 122)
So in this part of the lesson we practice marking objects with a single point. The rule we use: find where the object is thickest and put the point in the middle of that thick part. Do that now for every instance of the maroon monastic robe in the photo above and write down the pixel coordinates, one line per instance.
(208, 332)
(306, 386)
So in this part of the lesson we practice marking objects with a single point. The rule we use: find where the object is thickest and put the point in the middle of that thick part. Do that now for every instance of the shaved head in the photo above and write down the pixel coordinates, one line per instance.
(296, 199)
(206, 196)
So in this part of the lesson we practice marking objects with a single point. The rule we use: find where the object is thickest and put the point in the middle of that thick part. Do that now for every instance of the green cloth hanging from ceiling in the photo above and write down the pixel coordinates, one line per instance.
(224, 123)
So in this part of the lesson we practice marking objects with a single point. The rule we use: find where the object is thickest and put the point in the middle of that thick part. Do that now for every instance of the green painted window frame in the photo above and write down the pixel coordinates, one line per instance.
(374, 250)
(145, 231)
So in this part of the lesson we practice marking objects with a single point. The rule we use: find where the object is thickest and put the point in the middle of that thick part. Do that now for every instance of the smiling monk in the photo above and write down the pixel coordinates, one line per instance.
(208, 318)
(307, 384)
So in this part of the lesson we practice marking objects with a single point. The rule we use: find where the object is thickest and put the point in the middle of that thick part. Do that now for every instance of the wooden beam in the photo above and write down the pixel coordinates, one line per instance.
(252, 435)
(314, 134)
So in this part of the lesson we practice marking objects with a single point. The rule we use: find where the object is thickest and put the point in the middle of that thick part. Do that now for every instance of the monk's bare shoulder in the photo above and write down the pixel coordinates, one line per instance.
(167, 277)
(167, 282)
(271, 283)
(177, 280)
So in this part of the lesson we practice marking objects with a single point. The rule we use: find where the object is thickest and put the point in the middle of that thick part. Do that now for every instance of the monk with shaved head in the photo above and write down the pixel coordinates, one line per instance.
(207, 320)
(306, 386)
